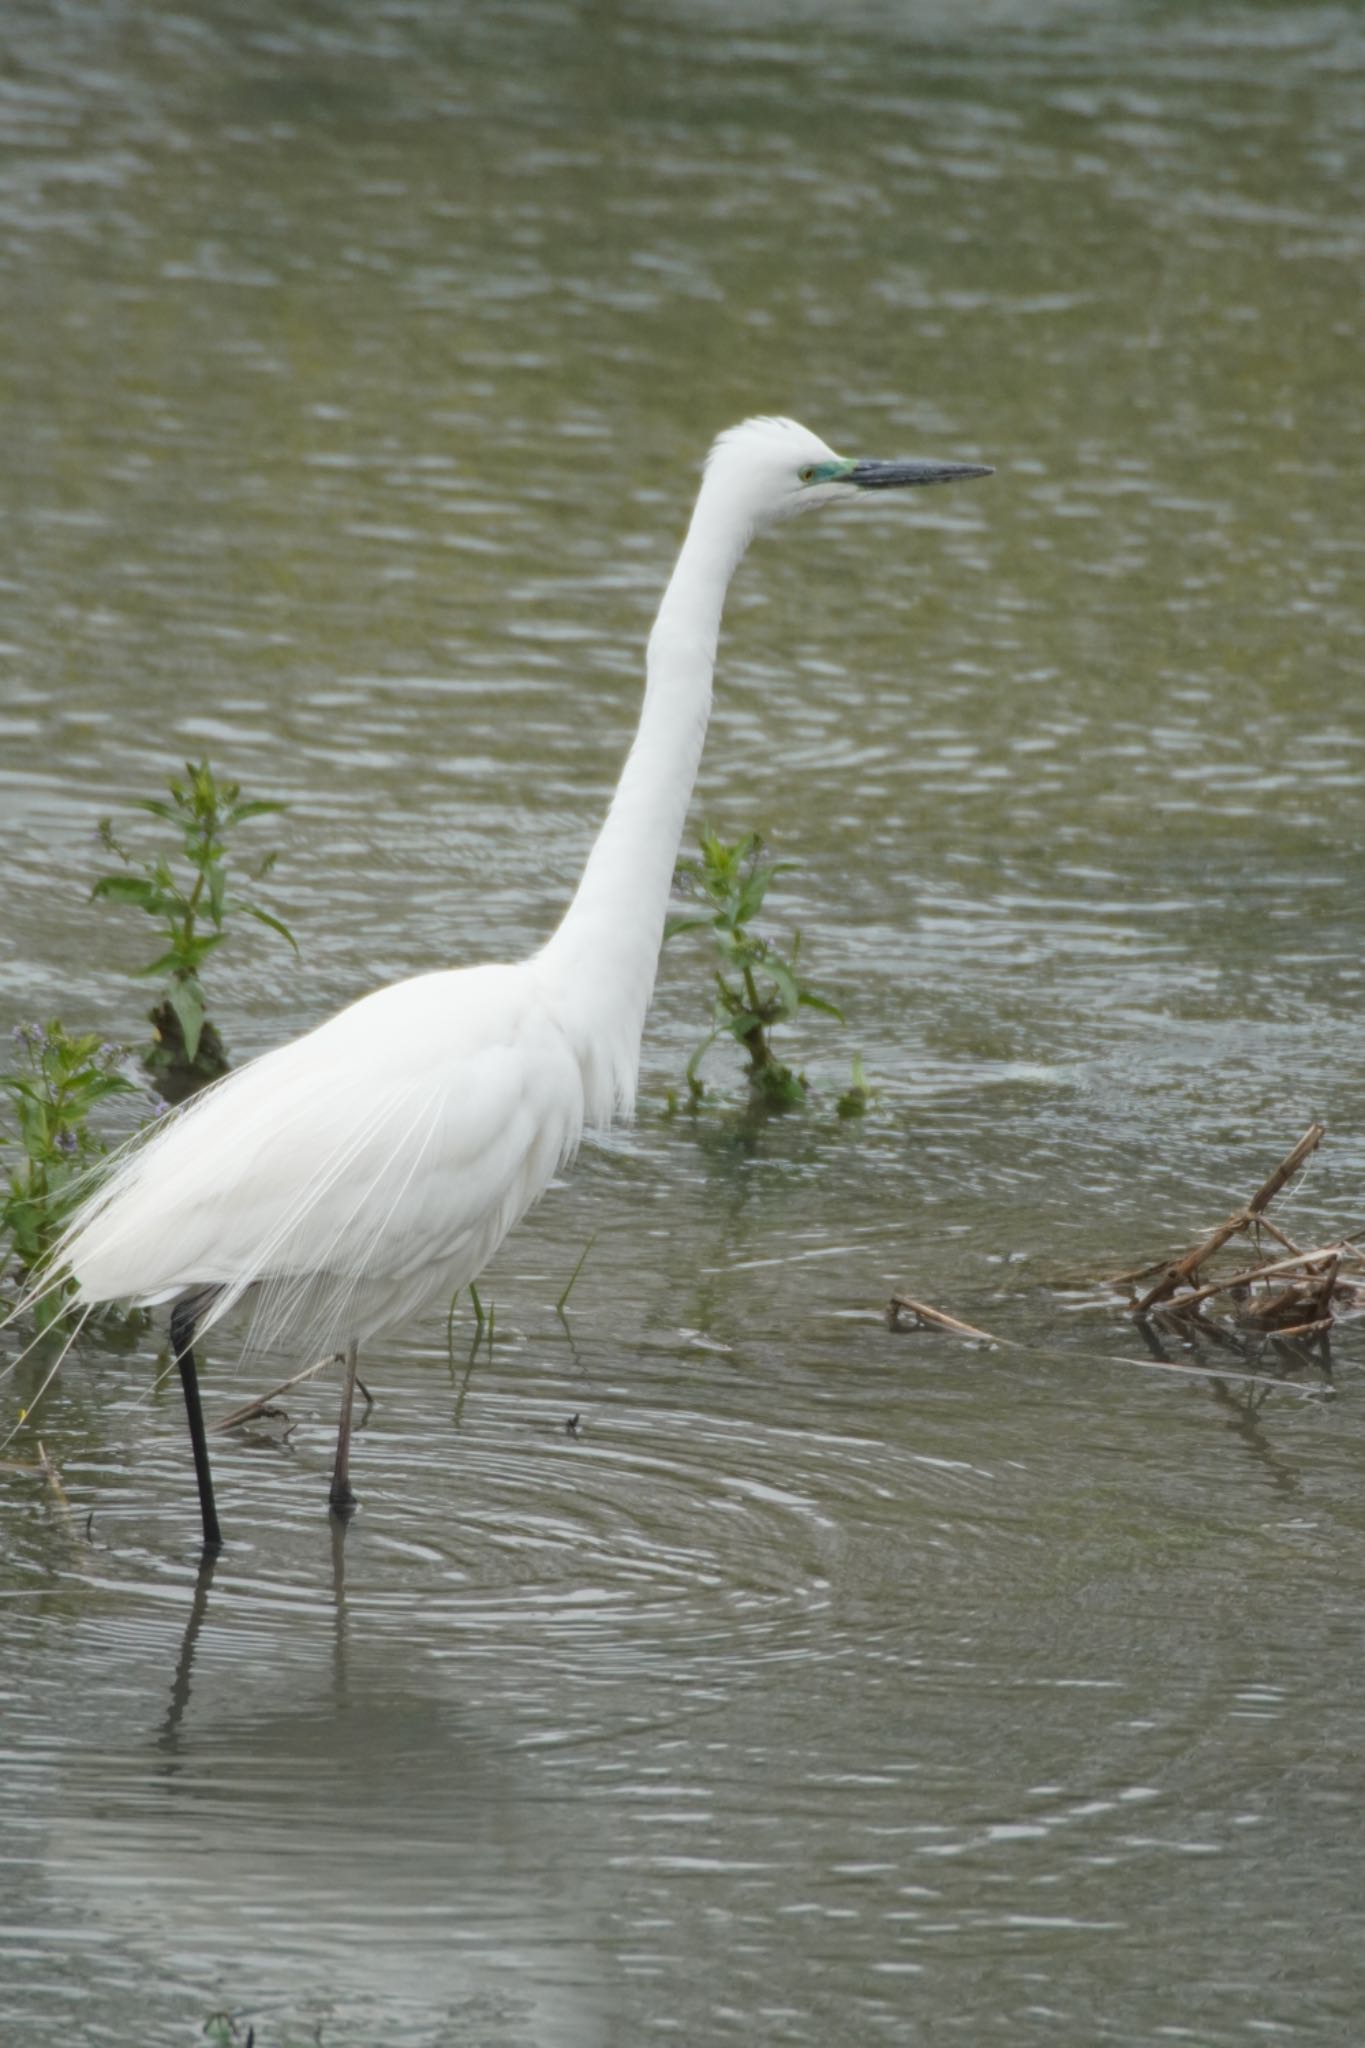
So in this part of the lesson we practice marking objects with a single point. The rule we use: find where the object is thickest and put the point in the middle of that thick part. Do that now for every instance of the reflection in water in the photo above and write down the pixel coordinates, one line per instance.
(354, 1859)
(169, 1738)
(1244, 1407)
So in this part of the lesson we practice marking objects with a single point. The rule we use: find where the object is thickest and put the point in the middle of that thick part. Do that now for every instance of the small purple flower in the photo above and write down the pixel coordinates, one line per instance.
(160, 1106)
(66, 1141)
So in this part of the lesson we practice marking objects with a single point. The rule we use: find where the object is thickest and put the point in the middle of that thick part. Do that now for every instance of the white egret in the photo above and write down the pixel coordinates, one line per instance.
(373, 1166)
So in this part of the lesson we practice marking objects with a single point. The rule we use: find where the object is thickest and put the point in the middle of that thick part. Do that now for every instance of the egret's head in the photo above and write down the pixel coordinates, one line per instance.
(777, 468)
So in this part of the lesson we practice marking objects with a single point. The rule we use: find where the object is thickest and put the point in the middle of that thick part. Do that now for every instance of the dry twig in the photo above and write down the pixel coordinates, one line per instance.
(901, 1304)
(1297, 1295)
(1185, 1268)
(251, 1409)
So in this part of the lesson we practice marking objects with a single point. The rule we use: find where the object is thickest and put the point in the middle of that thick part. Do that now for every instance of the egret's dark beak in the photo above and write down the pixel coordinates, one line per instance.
(894, 476)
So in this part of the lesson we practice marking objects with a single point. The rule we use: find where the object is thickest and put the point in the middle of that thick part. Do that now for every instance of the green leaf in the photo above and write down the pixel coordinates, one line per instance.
(136, 889)
(808, 1000)
(742, 1022)
(184, 956)
(784, 980)
(255, 809)
(674, 925)
(264, 917)
(187, 1001)
(752, 892)
(99, 1085)
(217, 891)
(698, 1056)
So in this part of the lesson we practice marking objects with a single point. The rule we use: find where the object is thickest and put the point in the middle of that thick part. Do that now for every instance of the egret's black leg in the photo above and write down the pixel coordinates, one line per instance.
(341, 1497)
(183, 1318)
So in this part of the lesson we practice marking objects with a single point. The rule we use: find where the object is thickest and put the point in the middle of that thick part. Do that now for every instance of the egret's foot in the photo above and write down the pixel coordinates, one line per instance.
(342, 1502)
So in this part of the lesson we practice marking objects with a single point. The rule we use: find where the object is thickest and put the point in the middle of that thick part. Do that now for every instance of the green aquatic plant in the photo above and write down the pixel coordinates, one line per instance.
(858, 1097)
(757, 986)
(52, 1089)
(221, 2030)
(485, 1323)
(191, 905)
(561, 1306)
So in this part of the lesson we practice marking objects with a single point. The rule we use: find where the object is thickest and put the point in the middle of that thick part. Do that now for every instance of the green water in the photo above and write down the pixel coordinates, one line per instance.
(825, 1686)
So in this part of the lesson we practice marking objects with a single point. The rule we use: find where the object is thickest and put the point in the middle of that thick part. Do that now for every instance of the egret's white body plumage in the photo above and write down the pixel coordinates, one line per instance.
(354, 1175)
(374, 1165)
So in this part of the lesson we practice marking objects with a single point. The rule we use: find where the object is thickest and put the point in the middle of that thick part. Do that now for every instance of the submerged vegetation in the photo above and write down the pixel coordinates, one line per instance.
(191, 906)
(757, 986)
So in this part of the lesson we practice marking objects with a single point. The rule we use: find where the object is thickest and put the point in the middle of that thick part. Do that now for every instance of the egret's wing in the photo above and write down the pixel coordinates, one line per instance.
(388, 1150)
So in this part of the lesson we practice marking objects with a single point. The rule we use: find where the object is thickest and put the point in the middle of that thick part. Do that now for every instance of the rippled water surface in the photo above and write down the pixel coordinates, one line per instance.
(819, 1684)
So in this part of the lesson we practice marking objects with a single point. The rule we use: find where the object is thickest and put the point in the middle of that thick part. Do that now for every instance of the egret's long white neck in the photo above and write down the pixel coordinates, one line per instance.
(602, 960)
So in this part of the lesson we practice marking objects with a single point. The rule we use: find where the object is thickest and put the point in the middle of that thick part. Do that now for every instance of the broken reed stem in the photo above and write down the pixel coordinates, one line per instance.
(1217, 1373)
(937, 1318)
(1185, 1267)
(258, 1407)
(1273, 1230)
(1136, 1273)
(1312, 1277)
(902, 1303)
(48, 1467)
(1264, 1272)
(1273, 1309)
(1322, 1295)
